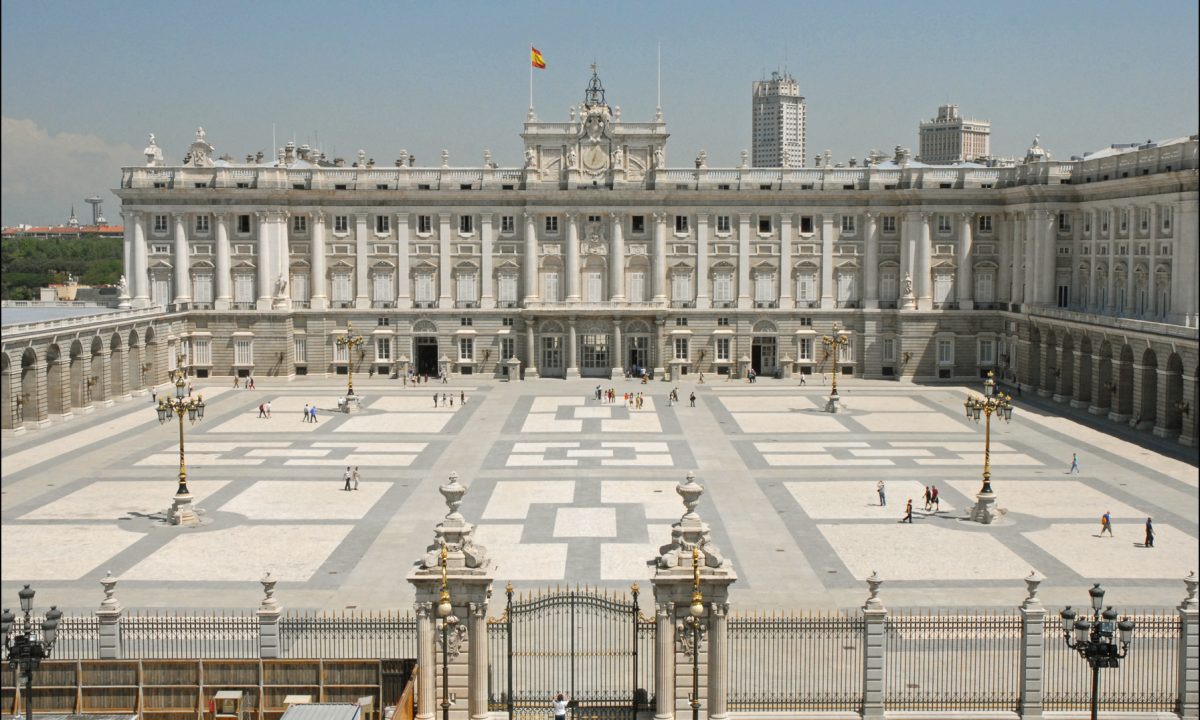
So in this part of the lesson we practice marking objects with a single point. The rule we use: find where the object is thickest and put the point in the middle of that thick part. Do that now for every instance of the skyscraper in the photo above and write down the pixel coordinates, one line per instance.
(778, 122)
(951, 138)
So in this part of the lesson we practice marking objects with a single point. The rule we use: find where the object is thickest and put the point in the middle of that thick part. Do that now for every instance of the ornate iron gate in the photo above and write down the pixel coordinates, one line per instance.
(583, 643)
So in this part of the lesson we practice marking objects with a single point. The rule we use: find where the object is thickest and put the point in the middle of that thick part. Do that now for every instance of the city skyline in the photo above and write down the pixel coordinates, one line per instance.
(74, 117)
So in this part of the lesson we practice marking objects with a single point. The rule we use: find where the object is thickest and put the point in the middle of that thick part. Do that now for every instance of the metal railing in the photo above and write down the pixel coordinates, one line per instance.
(216, 635)
(348, 635)
(1145, 681)
(789, 663)
(952, 661)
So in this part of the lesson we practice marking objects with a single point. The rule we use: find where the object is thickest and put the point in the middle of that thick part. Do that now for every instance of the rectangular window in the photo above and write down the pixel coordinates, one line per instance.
(723, 287)
(383, 224)
(764, 224)
(1144, 220)
(202, 223)
(985, 223)
(943, 288)
(681, 287)
(201, 351)
(300, 287)
(341, 353)
(806, 224)
(508, 348)
(383, 348)
(508, 224)
(300, 349)
(945, 352)
(424, 224)
(341, 223)
(243, 224)
(466, 321)
(243, 288)
(1124, 220)
(722, 322)
(593, 286)
(723, 348)
(160, 223)
(985, 287)
(299, 223)
(806, 287)
(466, 287)
(888, 351)
(848, 224)
(1064, 222)
(681, 348)
(636, 281)
(681, 224)
(424, 288)
(723, 223)
(764, 288)
(889, 224)
(381, 288)
(508, 288)
(987, 352)
(888, 289)
(847, 287)
(943, 224)
(1166, 219)
(507, 322)
(466, 224)
(243, 352)
(343, 287)
(637, 224)
(550, 287)
(202, 288)
(681, 322)
(1104, 221)
(552, 224)
(804, 347)
(466, 348)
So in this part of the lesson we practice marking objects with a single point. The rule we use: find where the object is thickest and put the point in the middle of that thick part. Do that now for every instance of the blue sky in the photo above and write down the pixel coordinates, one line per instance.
(83, 83)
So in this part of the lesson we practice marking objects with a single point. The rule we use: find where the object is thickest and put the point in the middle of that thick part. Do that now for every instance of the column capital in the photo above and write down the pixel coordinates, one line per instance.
(485, 217)
(177, 216)
(402, 217)
(966, 215)
(571, 215)
(221, 215)
(444, 217)
(362, 216)
(260, 215)
(616, 216)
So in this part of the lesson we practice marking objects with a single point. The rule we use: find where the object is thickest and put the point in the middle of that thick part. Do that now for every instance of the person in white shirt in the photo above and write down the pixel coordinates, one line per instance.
(560, 707)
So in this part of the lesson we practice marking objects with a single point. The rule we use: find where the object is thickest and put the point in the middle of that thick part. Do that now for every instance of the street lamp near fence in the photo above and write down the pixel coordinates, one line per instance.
(696, 612)
(1097, 640)
(445, 611)
(181, 512)
(1000, 404)
(25, 651)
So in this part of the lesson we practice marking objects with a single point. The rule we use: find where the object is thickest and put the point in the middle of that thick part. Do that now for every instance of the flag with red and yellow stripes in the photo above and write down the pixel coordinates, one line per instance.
(536, 58)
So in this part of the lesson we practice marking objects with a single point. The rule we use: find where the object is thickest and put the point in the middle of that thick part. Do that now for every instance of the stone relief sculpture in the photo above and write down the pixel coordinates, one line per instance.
(200, 152)
(572, 160)
(530, 158)
(122, 285)
(280, 285)
(908, 286)
(659, 159)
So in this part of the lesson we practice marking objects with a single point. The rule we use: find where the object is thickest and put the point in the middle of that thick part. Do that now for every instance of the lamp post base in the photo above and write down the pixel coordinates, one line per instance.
(181, 512)
(350, 403)
(832, 404)
(984, 510)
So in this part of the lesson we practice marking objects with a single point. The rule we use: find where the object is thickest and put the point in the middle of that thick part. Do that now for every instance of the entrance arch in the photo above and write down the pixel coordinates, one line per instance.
(7, 411)
(136, 372)
(54, 382)
(1124, 399)
(637, 347)
(1147, 378)
(425, 348)
(1066, 371)
(75, 374)
(552, 350)
(595, 351)
(764, 348)
(1034, 366)
(97, 384)
(116, 370)
(29, 399)
(1173, 416)
(1083, 388)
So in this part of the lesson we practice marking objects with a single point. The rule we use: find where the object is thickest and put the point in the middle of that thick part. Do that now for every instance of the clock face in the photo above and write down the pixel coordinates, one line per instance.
(594, 158)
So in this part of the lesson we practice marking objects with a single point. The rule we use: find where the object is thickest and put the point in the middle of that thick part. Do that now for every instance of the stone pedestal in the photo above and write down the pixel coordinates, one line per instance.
(984, 510)
(785, 367)
(676, 370)
(832, 403)
(744, 366)
(109, 617)
(268, 613)
(181, 512)
(452, 649)
(513, 364)
(350, 403)
(1189, 651)
(908, 302)
(1033, 648)
(691, 571)
(874, 650)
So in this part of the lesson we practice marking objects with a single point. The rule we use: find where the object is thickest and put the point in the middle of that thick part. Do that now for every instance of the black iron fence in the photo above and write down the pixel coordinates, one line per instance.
(787, 663)
(78, 637)
(348, 635)
(1146, 681)
(203, 636)
(936, 660)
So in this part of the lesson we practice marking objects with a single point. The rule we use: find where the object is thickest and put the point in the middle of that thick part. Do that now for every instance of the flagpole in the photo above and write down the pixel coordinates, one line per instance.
(531, 76)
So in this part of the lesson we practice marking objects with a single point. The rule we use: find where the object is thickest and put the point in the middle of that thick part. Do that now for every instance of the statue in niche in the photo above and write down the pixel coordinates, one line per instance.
(572, 160)
(908, 288)
(659, 159)
(122, 285)
(280, 285)
(530, 158)
(618, 158)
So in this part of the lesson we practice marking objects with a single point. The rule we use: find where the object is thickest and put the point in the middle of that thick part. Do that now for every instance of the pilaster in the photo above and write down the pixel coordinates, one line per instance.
(183, 291)
(1188, 706)
(530, 265)
(616, 260)
(572, 264)
(403, 263)
(319, 283)
(224, 298)
(362, 300)
(660, 258)
(827, 296)
(743, 268)
(263, 260)
(703, 298)
(487, 299)
(924, 274)
(871, 262)
(1033, 647)
(874, 650)
(785, 261)
(963, 291)
(445, 299)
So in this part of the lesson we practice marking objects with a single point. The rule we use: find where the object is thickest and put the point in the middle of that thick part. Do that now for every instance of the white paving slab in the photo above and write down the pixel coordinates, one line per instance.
(249, 423)
(641, 447)
(593, 412)
(377, 447)
(808, 422)
(536, 447)
(570, 522)
(768, 403)
(882, 403)
(365, 460)
(291, 553)
(638, 422)
(858, 499)
(194, 460)
(922, 551)
(805, 447)
(1079, 547)
(288, 452)
(546, 423)
(642, 460)
(75, 551)
(658, 497)
(1000, 460)
(394, 423)
(113, 499)
(925, 422)
(1052, 498)
(511, 499)
(890, 452)
(822, 459)
(538, 461)
(580, 453)
(630, 561)
(305, 500)
(519, 561)
(553, 403)
(418, 402)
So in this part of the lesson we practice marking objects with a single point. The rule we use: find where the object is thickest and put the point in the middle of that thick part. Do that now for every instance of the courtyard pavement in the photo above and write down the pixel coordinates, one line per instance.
(568, 490)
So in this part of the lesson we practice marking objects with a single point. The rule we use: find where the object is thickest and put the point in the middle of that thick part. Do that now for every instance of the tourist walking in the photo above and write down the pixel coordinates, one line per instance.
(355, 477)
(879, 488)
(235, 382)
(262, 410)
(268, 409)
(1106, 524)
(692, 399)
(801, 379)
(462, 397)
(435, 399)
(250, 384)
(305, 412)
(1149, 533)
(313, 413)
(346, 478)
(937, 504)
(1074, 465)
(928, 499)
(908, 512)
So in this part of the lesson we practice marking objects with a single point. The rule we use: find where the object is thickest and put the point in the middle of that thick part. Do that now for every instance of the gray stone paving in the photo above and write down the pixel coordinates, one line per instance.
(568, 490)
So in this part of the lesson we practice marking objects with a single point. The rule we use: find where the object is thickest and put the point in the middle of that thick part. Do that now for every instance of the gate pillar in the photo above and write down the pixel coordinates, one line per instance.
(691, 590)
(453, 584)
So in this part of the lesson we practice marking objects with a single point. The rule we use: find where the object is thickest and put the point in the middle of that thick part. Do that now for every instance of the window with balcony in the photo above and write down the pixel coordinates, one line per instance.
(343, 288)
(423, 286)
(723, 287)
(507, 288)
(381, 288)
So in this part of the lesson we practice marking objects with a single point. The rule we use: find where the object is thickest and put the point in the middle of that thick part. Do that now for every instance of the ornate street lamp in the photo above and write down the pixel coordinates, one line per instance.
(445, 611)
(990, 402)
(181, 512)
(24, 649)
(696, 612)
(350, 341)
(1097, 640)
(833, 343)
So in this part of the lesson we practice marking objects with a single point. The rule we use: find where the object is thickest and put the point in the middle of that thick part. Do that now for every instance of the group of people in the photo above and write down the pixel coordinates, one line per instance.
(351, 478)
(1106, 527)
(264, 409)
(416, 379)
(462, 399)
(310, 413)
(237, 382)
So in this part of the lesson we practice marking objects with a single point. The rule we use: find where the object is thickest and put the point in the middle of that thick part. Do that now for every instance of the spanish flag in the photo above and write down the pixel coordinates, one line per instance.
(535, 57)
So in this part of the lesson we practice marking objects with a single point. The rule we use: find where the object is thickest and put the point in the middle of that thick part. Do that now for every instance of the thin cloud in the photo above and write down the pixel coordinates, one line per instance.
(43, 175)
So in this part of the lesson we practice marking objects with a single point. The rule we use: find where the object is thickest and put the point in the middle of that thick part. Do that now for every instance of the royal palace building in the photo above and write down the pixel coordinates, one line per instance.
(1076, 278)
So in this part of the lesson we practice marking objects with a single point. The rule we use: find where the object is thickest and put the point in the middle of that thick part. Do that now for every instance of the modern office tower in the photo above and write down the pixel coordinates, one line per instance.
(951, 138)
(778, 123)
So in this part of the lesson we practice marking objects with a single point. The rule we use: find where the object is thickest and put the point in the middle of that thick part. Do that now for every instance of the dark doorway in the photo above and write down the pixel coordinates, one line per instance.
(639, 354)
(762, 355)
(426, 350)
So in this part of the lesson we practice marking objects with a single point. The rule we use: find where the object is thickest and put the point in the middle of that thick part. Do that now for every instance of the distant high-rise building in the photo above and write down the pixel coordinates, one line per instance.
(778, 123)
(951, 138)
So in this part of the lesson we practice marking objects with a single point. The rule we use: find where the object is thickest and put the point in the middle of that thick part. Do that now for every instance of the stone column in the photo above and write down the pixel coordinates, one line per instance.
(318, 285)
(743, 279)
(141, 271)
(362, 297)
(487, 298)
(964, 293)
(1187, 432)
(403, 269)
(1033, 647)
(660, 257)
(874, 650)
(531, 362)
(127, 268)
(109, 617)
(616, 260)
(703, 298)
(924, 274)
(183, 292)
(1077, 301)
(871, 262)
(908, 253)
(224, 298)
(268, 614)
(1185, 291)
(1091, 303)
(572, 264)
(827, 261)
(785, 261)
(1017, 289)
(531, 267)
(617, 358)
(572, 350)
(1032, 247)
(283, 261)
(1189, 652)
(264, 280)
(1130, 262)
(1047, 258)
(691, 570)
(445, 298)
(457, 572)
(658, 347)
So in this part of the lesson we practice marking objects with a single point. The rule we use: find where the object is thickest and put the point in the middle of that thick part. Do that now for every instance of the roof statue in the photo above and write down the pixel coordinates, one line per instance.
(200, 152)
(154, 155)
(1036, 153)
